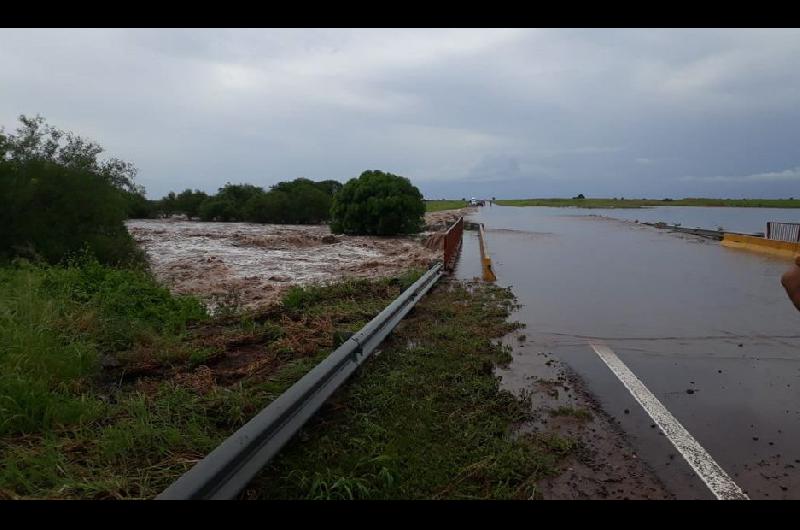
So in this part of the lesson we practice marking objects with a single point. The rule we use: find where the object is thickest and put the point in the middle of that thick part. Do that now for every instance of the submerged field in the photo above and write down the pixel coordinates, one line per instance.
(639, 203)
(251, 266)
(437, 206)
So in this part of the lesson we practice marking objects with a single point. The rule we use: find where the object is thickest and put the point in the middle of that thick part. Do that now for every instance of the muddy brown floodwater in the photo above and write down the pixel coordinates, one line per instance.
(251, 265)
(439, 221)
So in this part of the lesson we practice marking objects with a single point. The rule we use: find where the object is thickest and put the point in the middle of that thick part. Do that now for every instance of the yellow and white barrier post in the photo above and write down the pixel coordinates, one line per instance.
(785, 249)
(486, 261)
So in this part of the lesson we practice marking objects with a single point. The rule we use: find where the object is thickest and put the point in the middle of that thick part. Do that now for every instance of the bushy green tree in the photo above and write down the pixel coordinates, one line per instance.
(229, 203)
(168, 204)
(51, 211)
(189, 202)
(310, 205)
(59, 198)
(378, 203)
(271, 207)
(137, 206)
(218, 209)
(35, 139)
(289, 186)
(238, 194)
(309, 202)
(186, 202)
(300, 201)
(330, 187)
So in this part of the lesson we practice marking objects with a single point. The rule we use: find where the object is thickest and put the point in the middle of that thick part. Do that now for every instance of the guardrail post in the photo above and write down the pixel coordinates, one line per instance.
(486, 261)
(452, 243)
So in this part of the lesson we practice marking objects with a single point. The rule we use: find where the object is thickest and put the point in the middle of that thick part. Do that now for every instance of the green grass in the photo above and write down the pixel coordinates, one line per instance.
(437, 206)
(56, 323)
(72, 428)
(639, 203)
(578, 413)
(424, 419)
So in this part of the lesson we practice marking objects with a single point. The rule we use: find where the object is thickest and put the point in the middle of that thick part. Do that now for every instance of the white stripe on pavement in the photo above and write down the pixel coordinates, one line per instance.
(720, 484)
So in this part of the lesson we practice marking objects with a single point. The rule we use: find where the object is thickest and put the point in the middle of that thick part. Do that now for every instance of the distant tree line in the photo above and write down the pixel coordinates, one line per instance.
(300, 201)
(375, 203)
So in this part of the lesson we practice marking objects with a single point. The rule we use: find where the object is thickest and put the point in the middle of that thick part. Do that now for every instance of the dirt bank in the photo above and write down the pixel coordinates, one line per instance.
(605, 466)
(251, 265)
(438, 221)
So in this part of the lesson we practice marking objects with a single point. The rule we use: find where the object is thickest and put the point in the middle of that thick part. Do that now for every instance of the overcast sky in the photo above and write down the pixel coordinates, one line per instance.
(506, 113)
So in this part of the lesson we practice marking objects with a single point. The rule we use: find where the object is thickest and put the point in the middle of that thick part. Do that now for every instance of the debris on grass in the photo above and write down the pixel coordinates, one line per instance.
(426, 419)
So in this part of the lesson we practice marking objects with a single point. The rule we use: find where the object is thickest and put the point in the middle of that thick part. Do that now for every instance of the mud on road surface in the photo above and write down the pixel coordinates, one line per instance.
(606, 465)
(251, 265)
(707, 329)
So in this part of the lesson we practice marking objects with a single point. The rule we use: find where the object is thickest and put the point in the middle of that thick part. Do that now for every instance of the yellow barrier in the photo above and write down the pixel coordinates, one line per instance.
(486, 261)
(784, 249)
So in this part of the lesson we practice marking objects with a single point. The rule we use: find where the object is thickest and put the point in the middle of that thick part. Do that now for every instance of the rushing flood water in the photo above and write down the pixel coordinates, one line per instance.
(683, 313)
(251, 265)
(747, 220)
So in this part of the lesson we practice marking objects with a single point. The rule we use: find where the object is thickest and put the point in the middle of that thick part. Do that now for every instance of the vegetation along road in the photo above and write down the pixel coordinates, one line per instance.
(112, 385)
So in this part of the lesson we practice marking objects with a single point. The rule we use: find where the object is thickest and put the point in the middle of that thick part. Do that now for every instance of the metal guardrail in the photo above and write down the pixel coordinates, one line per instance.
(702, 232)
(783, 231)
(711, 234)
(233, 464)
(452, 243)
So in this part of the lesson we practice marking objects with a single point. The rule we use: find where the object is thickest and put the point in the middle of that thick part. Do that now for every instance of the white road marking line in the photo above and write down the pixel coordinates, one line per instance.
(720, 484)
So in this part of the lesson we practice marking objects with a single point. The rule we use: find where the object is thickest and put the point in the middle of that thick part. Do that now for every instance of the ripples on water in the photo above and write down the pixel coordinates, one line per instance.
(750, 220)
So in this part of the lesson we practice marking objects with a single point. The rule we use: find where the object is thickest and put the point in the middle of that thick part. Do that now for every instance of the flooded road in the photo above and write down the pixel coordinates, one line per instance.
(707, 329)
(734, 219)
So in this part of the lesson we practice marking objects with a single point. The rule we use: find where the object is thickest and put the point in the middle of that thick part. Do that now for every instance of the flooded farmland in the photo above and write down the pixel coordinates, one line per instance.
(251, 265)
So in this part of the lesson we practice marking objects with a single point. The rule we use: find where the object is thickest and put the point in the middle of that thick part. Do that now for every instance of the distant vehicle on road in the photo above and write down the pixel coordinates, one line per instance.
(476, 202)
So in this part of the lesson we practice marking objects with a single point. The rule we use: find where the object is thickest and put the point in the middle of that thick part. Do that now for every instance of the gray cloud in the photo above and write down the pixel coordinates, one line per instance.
(512, 112)
(792, 174)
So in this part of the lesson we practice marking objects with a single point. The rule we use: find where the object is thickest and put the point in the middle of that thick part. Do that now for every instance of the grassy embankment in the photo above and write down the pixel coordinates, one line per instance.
(437, 206)
(110, 387)
(639, 203)
(425, 419)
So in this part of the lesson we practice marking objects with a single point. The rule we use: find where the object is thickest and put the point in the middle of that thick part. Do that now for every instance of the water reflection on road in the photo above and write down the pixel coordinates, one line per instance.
(735, 219)
(684, 314)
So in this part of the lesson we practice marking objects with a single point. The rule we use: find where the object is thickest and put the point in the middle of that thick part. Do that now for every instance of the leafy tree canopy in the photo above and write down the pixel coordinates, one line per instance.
(35, 139)
(378, 203)
(59, 198)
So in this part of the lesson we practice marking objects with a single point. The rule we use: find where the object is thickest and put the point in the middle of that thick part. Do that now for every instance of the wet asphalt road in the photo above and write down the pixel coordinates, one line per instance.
(684, 314)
